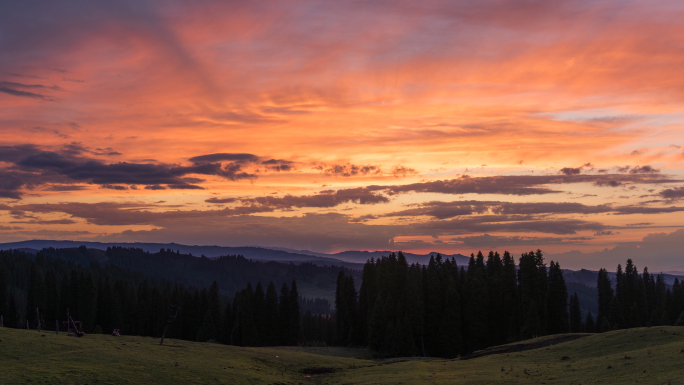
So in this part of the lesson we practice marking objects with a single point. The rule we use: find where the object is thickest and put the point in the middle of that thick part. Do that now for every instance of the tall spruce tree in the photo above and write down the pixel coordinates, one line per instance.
(37, 295)
(557, 301)
(259, 309)
(478, 306)
(294, 314)
(450, 329)
(497, 309)
(605, 296)
(531, 326)
(677, 301)
(271, 316)
(378, 321)
(510, 322)
(347, 311)
(532, 288)
(106, 307)
(415, 309)
(207, 331)
(367, 295)
(590, 325)
(433, 289)
(52, 298)
(250, 333)
(215, 309)
(12, 312)
(575, 314)
(4, 290)
(284, 317)
(228, 323)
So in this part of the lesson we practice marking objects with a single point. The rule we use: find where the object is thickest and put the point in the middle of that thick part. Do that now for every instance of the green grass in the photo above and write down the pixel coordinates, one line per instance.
(636, 356)
(46, 358)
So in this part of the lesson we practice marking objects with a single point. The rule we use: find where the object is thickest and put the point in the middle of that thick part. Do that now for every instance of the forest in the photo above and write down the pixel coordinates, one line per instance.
(439, 309)
(107, 297)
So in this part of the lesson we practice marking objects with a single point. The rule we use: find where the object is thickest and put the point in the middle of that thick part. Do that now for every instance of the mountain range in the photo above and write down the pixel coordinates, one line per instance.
(350, 259)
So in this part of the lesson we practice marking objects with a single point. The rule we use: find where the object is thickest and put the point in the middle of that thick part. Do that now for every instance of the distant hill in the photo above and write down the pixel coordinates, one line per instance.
(363, 256)
(350, 259)
(249, 252)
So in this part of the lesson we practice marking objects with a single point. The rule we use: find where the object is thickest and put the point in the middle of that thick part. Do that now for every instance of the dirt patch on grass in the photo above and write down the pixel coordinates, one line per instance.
(524, 345)
(319, 370)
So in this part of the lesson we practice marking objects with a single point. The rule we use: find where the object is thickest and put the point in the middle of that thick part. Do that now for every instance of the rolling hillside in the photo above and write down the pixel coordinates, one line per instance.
(644, 356)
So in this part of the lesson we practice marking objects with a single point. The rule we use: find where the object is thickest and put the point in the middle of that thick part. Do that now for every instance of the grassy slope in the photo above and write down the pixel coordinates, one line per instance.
(27, 356)
(644, 356)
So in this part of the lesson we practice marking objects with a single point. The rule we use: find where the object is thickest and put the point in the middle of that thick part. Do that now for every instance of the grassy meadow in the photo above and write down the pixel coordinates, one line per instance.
(635, 356)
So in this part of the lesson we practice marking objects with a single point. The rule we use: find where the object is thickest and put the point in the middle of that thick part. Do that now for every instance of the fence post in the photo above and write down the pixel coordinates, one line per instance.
(1, 322)
(56, 326)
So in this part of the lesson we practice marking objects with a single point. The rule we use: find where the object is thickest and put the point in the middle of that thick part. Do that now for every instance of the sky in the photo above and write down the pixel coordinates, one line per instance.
(449, 126)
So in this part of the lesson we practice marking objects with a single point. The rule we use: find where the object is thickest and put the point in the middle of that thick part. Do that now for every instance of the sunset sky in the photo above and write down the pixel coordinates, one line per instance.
(450, 126)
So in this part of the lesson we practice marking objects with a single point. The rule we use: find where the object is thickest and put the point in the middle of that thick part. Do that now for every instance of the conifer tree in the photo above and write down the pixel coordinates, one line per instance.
(347, 310)
(250, 334)
(378, 321)
(4, 290)
(477, 315)
(434, 303)
(37, 295)
(226, 335)
(284, 317)
(415, 309)
(677, 301)
(605, 296)
(510, 322)
(207, 330)
(590, 326)
(451, 342)
(343, 321)
(575, 314)
(12, 315)
(295, 320)
(496, 298)
(215, 308)
(397, 341)
(64, 293)
(622, 297)
(557, 301)
(52, 298)
(271, 315)
(105, 314)
(73, 298)
(367, 295)
(531, 326)
(680, 319)
(532, 288)
(187, 321)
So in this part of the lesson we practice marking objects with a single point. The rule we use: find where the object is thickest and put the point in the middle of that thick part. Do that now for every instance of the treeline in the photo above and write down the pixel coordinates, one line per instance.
(638, 299)
(438, 309)
(444, 310)
(232, 273)
(269, 318)
(108, 297)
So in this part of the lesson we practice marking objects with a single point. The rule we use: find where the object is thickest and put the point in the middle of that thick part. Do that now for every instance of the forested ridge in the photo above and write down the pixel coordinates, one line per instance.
(231, 272)
(398, 309)
(106, 297)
